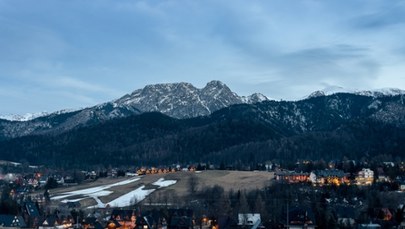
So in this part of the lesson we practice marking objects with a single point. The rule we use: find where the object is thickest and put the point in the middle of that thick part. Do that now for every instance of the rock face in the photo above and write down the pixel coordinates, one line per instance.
(178, 100)
(181, 100)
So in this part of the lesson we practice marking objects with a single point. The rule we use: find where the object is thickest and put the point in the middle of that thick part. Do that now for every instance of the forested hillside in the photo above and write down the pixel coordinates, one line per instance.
(327, 127)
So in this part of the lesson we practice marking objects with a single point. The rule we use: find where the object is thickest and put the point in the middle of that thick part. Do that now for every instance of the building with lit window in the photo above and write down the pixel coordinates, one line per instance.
(365, 177)
(328, 177)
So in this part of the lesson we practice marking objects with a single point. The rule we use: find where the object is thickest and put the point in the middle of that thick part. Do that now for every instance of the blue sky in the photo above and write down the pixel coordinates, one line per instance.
(68, 54)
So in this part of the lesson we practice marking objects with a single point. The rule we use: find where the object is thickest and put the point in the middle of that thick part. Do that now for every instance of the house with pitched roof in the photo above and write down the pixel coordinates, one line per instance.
(11, 221)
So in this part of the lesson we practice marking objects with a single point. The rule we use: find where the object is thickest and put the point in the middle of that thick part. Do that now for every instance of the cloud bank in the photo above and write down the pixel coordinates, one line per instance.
(69, 54)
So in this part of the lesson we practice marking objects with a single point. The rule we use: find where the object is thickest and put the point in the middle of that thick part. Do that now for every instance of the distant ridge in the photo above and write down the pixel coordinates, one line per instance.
(372, 93)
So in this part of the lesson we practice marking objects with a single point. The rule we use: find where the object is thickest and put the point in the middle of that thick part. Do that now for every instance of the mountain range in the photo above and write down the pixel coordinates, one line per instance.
(171, 123)
(177, 100)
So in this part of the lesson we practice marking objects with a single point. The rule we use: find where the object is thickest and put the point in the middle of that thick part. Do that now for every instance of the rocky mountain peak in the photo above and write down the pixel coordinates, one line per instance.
(256, 98)
(168, 86)
(181, 100)
(316, 94)
(215, 84)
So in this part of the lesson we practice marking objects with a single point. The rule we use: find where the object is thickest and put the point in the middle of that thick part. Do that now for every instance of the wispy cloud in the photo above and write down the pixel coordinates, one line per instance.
(387, 15)
(340, 61)
(87, 52)
(76, 84)
(77, 89)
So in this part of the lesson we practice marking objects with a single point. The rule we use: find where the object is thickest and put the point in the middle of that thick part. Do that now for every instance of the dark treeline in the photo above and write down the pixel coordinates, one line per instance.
(357, 140)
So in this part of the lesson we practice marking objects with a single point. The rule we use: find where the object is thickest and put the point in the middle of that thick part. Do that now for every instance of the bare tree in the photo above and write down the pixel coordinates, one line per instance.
(134, 200)
(192, 184)
(243, 204)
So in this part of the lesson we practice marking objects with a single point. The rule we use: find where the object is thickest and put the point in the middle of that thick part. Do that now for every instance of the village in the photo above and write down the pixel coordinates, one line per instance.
(29, 199)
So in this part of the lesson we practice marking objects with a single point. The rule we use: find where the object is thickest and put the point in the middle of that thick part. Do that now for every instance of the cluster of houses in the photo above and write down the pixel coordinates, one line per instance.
(317, 177)
(336, 177)
(297, 216)
(114, 219)
(126, 219)
(162, 170)
(303, 217)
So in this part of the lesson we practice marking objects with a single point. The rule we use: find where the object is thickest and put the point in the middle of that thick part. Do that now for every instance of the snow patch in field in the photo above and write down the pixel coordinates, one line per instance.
(128, 199)
(164, 183)
(134, 196)
(95, 191)
(100, 193)
(99, 203)
(60, 197)
(124, 182)
(74, 200)
(131, 198)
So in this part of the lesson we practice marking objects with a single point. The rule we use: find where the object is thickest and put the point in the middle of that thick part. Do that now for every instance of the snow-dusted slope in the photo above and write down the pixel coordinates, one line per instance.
(382, 92)
(255, 98)
(372, 93)
(31, 116)
(22, 118)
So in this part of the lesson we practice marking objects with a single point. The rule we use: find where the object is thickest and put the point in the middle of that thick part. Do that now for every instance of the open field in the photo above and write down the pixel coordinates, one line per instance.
(236, 180)
(160, 188)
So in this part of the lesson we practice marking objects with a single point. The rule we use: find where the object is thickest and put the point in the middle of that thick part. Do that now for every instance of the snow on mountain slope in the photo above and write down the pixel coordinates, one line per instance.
(255, 98)
(372, 93)
(183, 100)
(31, 116)
(382, 92)
(24, 117)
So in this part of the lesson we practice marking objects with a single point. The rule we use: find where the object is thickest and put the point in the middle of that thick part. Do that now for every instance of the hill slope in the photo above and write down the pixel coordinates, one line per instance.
(322, 127)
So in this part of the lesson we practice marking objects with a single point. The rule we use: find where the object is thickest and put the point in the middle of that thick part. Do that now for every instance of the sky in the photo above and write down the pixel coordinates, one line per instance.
(57, 54)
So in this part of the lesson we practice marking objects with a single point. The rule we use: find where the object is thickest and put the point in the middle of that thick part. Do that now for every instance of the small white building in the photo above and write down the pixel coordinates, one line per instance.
(402, 188)
(365, 177)
(389, 164)
(369, 226)
(248, 219)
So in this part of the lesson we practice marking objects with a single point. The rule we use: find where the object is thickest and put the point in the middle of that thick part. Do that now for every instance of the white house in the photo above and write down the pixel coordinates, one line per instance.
(365, 177)
(248, 219)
